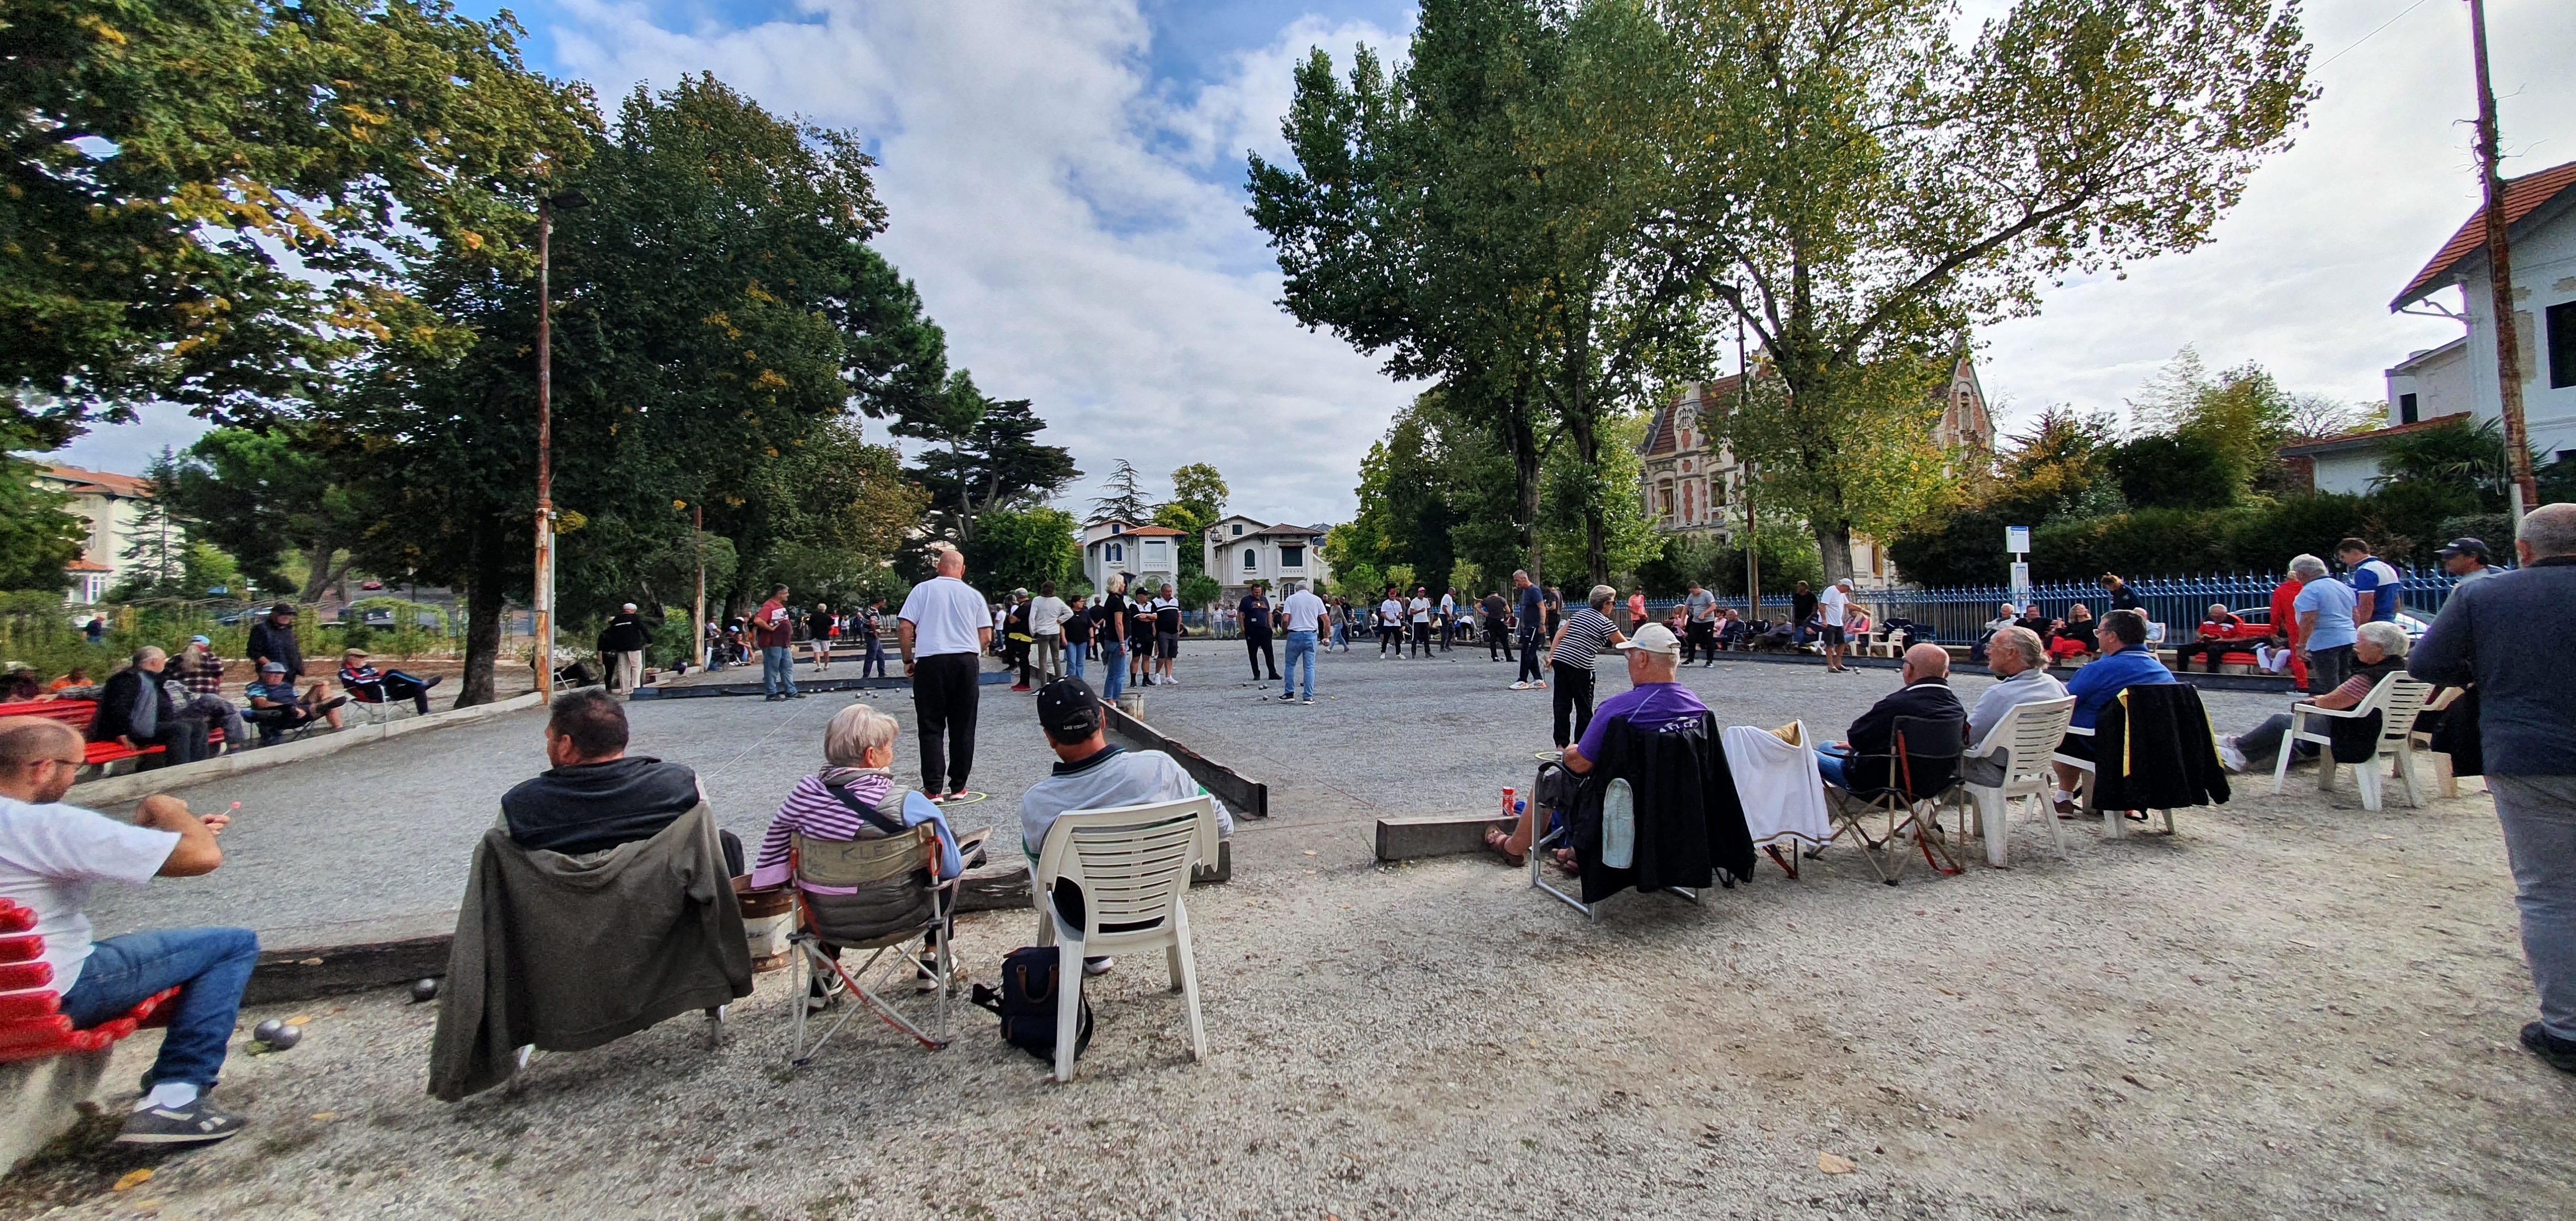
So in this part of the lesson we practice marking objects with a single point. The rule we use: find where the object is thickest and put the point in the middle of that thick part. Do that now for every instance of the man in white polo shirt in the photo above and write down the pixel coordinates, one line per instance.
(1834, 602)
(50, 856)
(1305, 613)
(944, 634)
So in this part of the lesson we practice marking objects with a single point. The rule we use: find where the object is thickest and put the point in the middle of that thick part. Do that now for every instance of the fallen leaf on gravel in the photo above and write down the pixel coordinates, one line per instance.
(1835, 1164)
(301, 1019)
(325, 1116)
(133, 1179)
(1310, 852)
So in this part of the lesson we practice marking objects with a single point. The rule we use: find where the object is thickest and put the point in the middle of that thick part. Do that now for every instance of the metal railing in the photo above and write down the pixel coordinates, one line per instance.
(1959, 615)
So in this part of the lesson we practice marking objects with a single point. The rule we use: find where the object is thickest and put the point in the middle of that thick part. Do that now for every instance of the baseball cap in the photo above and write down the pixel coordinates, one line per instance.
(274, 667)
(1067, 705)
(2464, 546)
(1653, 638)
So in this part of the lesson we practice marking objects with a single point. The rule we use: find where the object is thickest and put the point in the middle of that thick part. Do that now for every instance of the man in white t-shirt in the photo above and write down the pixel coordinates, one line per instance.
(1832, 603)
(1420, 608)
(51, 854)
(943, 632)
(1390, 625)
(1046, 622)
(1305, 614)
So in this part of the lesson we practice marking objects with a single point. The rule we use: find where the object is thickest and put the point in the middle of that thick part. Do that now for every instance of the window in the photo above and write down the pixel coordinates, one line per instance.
(1117, 527)
(1292, 557)
(1238, 529)
(1158, 553)
(2406, 408)
(1251, 560)
(1115, 553)
(2562, 344)
(1664, 502)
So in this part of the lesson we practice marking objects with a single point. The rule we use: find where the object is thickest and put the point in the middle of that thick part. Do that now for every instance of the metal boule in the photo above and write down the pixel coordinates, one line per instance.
(425, 990)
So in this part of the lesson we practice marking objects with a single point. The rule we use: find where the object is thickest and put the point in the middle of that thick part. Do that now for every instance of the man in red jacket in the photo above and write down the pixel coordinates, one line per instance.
(2221, 633)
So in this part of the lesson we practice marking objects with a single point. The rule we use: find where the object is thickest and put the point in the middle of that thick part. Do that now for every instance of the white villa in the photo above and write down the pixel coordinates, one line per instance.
(1149, 556)
(110, 503)
(1239, 550)
(2459, 377)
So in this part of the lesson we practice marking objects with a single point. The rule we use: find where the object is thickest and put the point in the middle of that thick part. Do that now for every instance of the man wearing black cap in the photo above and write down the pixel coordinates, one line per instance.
(2466, 559)
(1092, 774)
(273, 639)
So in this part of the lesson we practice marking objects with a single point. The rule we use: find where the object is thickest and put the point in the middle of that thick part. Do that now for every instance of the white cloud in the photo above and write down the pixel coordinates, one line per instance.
(1078, 232)
(2299, 276)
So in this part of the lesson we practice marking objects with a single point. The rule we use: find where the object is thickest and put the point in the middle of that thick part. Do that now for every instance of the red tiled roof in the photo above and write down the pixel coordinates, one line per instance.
(101, 481)
(2522, 197)
(2360, 440)
(86, 566)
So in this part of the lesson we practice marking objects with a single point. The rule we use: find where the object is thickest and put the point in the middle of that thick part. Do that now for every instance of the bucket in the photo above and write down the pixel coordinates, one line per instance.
(1133, 705)
(768, 916)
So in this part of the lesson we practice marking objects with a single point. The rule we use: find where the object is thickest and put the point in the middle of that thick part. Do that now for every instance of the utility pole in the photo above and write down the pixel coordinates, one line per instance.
(698, 616)
(544, 626)
(2517, 450)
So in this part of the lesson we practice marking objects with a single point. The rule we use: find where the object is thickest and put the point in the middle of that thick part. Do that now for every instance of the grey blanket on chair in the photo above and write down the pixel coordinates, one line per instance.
(570, 952)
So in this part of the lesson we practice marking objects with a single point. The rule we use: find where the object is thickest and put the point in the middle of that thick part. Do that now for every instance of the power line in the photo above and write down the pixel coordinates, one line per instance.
(2373, 34)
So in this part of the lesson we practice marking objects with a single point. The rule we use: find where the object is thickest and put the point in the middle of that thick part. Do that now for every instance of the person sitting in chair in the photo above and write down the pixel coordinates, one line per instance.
(2126, 662)
(135, 711)
(1093, 774)
(390, 685)
(1927, 695)
(277, 709)
(855, 792)
(2378, 650)
(1654, 699)
(2220, 634)
(596, 797)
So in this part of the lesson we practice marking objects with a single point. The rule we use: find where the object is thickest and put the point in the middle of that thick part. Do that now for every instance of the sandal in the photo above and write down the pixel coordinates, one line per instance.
(1500, 841)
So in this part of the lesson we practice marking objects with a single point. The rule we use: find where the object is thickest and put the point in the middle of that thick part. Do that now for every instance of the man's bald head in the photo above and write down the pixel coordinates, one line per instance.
(952, 562)
(1926, 661)
(2549, 530)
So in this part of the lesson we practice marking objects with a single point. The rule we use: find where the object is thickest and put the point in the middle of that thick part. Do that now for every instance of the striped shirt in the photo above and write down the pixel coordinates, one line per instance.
(813, 812)
(1587, 632)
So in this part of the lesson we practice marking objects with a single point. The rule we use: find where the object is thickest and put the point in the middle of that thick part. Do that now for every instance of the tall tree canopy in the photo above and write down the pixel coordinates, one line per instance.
(1859, 189)
(264, 494)
(217, 202)
(995, 462)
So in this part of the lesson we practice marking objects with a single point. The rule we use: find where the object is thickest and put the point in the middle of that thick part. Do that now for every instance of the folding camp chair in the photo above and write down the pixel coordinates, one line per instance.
(369, 703)
(2026, 738)
(898, 912)
(1127, 869)
(2397, 699)
(1911, 805)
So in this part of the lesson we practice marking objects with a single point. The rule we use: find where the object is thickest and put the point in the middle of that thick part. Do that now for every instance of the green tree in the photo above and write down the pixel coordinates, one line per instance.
(218, 202)
(1859, 189)
(1198, 488)
(264, 494)
(1023, 548)
(156, 560)
(993, 462)
(719, 308)
(39, 535)
(1122, 497)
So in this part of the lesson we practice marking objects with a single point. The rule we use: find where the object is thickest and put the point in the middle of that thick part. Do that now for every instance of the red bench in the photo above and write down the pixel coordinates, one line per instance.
(32, 1024)
(78, 714)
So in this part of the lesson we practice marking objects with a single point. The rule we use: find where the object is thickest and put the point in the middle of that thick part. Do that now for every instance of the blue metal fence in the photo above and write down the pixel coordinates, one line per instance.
(1960, 615)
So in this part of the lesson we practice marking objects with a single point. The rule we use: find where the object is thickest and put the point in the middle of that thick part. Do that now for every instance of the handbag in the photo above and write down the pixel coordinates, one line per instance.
(1027, 1000)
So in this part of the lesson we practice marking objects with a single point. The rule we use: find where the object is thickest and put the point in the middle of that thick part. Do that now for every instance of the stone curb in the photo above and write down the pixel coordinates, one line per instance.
(134, 785)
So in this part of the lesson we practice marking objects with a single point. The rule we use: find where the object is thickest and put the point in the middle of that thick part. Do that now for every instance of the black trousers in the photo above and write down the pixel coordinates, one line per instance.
(1702, 638)
(401, 686)
(945, 688)
(1389, 638)
(1261, 655)
(181, 741)
(1496, 643)
(1422, 638)
(2214, 649)
(1573, 695)
(1529, 671)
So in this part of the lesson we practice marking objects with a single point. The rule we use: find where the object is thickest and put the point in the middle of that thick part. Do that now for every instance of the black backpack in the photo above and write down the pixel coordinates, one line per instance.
(1026, 1003)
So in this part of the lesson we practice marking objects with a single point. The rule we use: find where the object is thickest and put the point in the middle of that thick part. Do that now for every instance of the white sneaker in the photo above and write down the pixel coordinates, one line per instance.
(2230, 754)
(1308, 700)
(1098, 966)
(1520, 686)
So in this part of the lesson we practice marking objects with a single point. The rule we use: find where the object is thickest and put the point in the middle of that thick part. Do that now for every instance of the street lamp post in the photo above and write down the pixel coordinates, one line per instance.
(544, 594)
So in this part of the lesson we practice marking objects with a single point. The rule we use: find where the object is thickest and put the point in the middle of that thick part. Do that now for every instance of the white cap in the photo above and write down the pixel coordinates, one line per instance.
(1653, 638)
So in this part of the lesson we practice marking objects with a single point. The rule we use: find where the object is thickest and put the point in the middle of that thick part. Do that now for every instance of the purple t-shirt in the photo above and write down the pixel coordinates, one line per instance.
(1647, 706)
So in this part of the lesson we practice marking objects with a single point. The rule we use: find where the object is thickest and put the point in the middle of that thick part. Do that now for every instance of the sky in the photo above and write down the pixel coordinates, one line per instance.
(1066, 182)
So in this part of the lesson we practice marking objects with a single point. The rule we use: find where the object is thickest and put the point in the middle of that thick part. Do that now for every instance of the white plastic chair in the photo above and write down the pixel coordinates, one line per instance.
(1133, 864)
(2028, 737)
(2397, 698)
(2444, 779)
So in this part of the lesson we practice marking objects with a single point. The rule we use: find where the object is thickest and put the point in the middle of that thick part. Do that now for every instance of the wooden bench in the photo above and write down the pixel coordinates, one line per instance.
(78, 714)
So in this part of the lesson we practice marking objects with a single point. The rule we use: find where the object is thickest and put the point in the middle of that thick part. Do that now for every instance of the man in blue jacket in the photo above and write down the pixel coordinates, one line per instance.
(2502, 633)
(2125, 662)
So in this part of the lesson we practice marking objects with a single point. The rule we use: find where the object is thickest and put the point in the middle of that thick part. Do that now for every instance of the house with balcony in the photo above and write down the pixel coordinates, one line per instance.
(2460, 378)
(1148, 556)
(1240, 550)
(111, 504)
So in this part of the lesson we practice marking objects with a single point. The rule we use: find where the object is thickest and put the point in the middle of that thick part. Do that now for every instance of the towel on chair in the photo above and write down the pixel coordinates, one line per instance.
(1777, 782)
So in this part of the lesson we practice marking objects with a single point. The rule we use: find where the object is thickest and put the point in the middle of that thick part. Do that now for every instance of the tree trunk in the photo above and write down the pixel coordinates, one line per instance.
(1833, 541)
(483, 610)
(1525, 459)
(1586, 434)
(323, 568)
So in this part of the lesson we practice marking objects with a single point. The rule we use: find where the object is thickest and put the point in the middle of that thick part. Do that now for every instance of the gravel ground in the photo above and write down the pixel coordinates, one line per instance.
(2294, 1008)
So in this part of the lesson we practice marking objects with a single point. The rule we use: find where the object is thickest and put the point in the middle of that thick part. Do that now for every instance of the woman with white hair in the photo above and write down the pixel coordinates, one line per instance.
(854, 792)
(1583, 636)
(2378, 649)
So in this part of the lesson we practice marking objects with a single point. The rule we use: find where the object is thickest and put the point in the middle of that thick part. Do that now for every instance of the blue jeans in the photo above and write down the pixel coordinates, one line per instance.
(777, 671)
(875, 658)
(1830, 766)
(1301, 645)
(1076, 665)
(210, 966)
(1113, 664)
